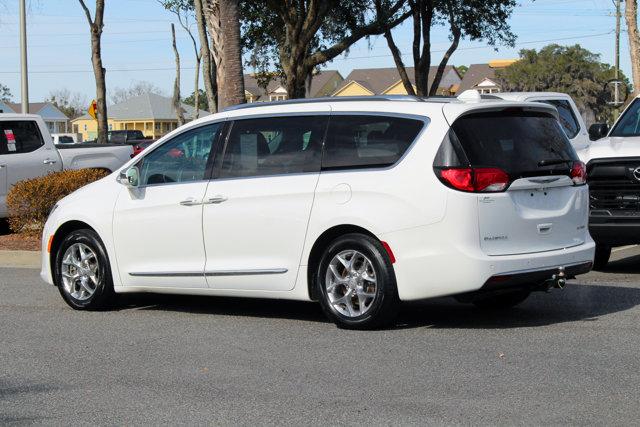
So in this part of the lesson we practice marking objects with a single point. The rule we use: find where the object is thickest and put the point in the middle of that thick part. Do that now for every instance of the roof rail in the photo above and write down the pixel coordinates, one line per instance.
(328, 99)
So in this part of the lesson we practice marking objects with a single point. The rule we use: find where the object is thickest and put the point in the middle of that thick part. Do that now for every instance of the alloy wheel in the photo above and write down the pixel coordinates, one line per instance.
(350, 283)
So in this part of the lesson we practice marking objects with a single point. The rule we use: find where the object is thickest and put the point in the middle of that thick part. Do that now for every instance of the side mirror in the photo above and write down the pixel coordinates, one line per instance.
(598, 131)
(130, 177)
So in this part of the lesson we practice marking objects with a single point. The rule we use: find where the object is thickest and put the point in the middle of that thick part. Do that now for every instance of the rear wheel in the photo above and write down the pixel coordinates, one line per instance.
(356, 283)
(601, 259)
(82, 273)
(502, 301)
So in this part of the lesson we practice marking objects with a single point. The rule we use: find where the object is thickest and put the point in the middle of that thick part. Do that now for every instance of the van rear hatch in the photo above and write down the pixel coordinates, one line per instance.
(527, 178)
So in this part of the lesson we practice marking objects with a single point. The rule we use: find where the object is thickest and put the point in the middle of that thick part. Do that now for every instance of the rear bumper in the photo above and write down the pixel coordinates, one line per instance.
(533, 279)
(615, 233)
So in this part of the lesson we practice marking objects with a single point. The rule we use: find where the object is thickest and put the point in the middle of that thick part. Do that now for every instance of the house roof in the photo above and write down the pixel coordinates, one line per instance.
(148, 106)
(377, 80)
(317, 83)
(477, 73)
(46, 110)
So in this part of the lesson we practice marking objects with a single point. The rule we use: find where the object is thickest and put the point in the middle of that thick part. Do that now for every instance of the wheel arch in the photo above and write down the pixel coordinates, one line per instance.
(320, 245)
(59, 236)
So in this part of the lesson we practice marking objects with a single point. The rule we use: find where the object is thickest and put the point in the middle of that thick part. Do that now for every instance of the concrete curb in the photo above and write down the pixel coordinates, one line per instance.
(20, 259)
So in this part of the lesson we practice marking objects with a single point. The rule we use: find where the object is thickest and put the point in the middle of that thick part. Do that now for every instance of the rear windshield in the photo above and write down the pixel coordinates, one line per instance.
(515, 141)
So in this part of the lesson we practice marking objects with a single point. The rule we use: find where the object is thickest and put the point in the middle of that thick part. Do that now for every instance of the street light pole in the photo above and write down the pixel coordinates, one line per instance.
(24, 78)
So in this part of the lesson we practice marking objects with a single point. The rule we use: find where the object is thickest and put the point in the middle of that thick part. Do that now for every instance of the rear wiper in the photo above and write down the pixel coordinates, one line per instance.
(550, 162)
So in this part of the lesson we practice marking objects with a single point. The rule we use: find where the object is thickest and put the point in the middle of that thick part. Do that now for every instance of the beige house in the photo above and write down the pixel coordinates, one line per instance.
(323, 83)
(482, 77)
(386, 81)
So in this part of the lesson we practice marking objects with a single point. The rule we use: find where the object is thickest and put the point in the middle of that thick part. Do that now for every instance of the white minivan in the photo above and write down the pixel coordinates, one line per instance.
(358, 203)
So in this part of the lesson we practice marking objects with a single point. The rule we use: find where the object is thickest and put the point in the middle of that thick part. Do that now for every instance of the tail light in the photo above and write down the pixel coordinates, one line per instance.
(475, 180)
(578, 173)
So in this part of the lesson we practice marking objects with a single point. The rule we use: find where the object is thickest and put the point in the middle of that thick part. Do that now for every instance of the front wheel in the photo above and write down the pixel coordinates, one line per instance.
(82, 273)
(357, 283)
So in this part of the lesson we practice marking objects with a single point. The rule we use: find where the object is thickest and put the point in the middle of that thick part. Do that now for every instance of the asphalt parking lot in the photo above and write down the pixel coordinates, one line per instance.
(568, 357)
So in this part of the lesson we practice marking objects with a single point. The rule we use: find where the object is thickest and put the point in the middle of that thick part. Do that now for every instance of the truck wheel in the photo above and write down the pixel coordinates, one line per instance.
(603, 253)
(502, 301)
(82, 273)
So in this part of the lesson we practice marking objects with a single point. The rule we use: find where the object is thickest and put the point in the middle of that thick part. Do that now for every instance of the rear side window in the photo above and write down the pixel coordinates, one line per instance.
(565, 116)
(19, 137)
(514, 141)
(273, 146)
(65, 140)
(356, 141)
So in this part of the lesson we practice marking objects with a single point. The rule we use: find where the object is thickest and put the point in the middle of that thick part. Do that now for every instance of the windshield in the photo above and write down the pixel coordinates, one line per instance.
(518, 142)
(629, 123)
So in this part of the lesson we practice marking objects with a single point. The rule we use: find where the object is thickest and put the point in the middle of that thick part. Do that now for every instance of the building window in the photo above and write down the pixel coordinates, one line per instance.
(110, 127)
(277, 97)
(85, 128)
(157, 126)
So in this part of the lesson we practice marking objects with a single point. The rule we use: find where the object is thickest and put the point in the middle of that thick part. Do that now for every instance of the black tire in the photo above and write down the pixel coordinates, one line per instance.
(501, 301)
(384, 306)
(103, 296)
(601, 259)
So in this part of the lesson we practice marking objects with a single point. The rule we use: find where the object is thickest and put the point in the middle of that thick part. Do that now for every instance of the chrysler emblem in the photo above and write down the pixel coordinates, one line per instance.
(636, 173)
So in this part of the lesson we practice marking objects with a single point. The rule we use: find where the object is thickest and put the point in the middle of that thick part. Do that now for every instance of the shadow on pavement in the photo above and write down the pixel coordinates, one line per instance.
(629, 265)
(577, 302)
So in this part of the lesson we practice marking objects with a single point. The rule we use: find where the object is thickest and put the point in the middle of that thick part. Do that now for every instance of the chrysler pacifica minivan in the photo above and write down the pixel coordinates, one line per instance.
(358, 203)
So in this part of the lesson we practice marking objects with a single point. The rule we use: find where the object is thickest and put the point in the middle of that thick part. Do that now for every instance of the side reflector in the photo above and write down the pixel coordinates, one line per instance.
(49, 243)
(389, 252)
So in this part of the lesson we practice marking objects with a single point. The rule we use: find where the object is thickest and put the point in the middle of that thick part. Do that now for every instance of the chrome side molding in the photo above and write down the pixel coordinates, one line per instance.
(210, 273)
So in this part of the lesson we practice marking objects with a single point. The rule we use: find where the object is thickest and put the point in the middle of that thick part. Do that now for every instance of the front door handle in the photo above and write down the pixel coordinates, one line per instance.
(49, 161)
(2, 166)
(190, 202)
(216, 200)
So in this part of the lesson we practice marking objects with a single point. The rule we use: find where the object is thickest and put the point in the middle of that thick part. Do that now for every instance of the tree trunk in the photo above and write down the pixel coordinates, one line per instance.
(208, 72)
(176, 84)
(423, 17)
(457, 33)
(232, 53)
(296, 83)
(196, 93)
(397, 58)
(631, 16)
(212, 18)
(96, 25)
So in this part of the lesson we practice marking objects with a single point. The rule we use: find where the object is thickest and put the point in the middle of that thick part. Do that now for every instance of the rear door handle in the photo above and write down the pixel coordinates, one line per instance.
(49, 161)
(2, 166)
(190, 202)
(216, 200)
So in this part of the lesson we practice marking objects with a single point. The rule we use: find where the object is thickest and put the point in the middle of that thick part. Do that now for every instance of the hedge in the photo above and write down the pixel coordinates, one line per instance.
(30, 201)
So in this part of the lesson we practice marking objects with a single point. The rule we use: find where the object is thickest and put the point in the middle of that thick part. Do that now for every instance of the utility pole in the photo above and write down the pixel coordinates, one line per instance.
(24, 78)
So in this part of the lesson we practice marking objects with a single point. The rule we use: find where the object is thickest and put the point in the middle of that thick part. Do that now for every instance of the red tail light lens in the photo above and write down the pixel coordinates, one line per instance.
(475, 180)
(578, 173)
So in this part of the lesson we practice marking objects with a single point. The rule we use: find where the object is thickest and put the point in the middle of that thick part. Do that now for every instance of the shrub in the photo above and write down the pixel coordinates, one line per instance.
(30, 201)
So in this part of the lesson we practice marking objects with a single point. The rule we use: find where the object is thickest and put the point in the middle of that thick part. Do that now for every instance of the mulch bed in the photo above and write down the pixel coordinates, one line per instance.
(16, 242)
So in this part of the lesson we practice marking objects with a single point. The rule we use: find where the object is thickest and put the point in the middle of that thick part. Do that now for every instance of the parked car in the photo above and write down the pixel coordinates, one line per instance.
(613, 167)
(65, 138)
(357, 203)
(27, 151)
(568, 113)
(130, 137)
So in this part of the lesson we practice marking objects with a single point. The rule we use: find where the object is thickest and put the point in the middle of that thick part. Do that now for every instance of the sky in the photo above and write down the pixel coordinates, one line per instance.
(136, 43)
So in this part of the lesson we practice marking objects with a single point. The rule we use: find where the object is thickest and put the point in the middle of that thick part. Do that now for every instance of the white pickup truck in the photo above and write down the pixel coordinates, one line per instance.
(27, 151)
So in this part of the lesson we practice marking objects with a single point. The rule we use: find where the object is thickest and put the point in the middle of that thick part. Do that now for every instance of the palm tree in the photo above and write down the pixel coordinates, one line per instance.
(223, 21)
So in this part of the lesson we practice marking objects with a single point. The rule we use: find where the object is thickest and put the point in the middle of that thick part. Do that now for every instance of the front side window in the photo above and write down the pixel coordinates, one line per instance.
(19, 137)
(629, 123)
(273, 146)
(368, 141)
(181, 159)
(566, 117)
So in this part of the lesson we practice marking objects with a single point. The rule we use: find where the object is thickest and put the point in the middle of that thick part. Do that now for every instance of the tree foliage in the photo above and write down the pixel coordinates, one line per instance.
(72, 104)
(141, 87)
(5, 93)
(202, 100)
(471, 19)
(297, 36)
(568, 69)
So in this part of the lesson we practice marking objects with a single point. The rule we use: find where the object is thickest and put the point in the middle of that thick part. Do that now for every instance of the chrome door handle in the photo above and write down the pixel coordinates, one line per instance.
(2, 166)
(49, 161)
(216, 200)
(190, 202)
